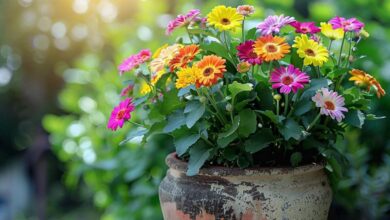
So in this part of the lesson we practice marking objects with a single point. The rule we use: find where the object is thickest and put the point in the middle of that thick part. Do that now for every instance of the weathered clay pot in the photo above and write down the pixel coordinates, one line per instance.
(220, 193)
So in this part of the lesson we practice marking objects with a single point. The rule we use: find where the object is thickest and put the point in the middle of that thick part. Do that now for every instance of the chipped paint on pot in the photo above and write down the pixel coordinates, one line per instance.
(220, 193)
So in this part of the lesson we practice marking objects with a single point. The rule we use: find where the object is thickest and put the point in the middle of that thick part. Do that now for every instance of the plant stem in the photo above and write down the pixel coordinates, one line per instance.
(341, 50)
(207, 141)
(349, 51)
(189, 35)
(214, 103)
(243, 30)
(285, 104)
(270, 68)
(313, 122)
(277, 107)
(318, 72)
(134, 123)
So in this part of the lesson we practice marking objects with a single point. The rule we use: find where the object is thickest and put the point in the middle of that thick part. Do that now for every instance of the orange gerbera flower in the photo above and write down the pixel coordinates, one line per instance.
(211, 68)
(271, 48)
(364, 79)
(184, 56)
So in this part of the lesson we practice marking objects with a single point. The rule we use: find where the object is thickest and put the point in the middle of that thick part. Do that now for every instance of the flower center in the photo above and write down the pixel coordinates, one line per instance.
(329, 105)
(121, 114)
(271, 48)
(252, 55)
(208, 71)
(287, 80)
(225, 21)
(304, 29)
(310, 52)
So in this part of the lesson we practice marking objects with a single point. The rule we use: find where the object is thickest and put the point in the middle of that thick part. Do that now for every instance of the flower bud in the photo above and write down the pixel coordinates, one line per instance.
(229, 107)
(202, 99)
(364, 33)
(277, 97)
(259, 125)
(188, 97)
(227, 98)
(243, 67)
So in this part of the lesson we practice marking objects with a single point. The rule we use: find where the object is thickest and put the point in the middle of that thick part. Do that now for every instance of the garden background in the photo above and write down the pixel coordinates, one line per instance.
(58, 84)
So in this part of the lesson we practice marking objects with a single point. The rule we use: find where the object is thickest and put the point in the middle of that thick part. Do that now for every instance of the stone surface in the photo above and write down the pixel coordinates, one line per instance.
(245, 194)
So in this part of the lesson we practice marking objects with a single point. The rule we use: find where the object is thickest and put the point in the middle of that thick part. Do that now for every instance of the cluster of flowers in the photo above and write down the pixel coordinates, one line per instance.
(191, 67)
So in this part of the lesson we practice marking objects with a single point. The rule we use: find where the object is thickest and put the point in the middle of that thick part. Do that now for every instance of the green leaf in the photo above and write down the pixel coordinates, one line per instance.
(303, 106)
(217, 49)
(251, 34)
(185, 90)
(243, 161)
(193, 112)
(259, 141)
(141, 100)
(182, 144)
(295, 59)
(265, 96)
(232, 129)
(199, 153)
(133, 134)
(272, 116)
(355, 118)
(248, 122)
(295, 159)
(291, 129)
(372, 117)
(175, 121)
(170, 102)
(225, 141)
(237, 87)
(315, 84)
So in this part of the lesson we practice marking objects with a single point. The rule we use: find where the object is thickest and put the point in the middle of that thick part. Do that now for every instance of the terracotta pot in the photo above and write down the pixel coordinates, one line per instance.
(218, 193)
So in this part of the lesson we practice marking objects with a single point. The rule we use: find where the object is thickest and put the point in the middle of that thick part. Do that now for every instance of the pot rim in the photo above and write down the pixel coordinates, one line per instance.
(175, 163)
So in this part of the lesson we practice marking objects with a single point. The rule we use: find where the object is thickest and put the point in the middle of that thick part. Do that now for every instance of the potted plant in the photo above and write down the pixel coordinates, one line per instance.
(254, 113)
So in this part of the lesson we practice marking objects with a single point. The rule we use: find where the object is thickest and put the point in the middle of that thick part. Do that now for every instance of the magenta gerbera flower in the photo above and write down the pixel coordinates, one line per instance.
(331, 104)
(305, 27)
(351, 24)
(182, 20)
(272, 24)
(134, 61)
(246, 53)
(288, 79)
(120, 114)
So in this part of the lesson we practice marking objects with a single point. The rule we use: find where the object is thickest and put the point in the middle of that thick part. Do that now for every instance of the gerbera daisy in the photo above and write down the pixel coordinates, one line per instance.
(305, 27)
(134, 61)
(271, 48)
(288, 79)
(246, 52)
(243, 66)
(331, 104)
(120, 114)
(225, 18)
(144, 88)
(272, 24)
(211, 68)
(245, 10)
(333, 34)
(184, 56)
(164, 57)
(311, 51)
(182, 20)
(351, 24)
(187, 76)
(364, 79)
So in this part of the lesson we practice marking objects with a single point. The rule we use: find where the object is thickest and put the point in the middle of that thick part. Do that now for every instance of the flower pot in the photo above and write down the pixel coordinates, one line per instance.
(218, 193)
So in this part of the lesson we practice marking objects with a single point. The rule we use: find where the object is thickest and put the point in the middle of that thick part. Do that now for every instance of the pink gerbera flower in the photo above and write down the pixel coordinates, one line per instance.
(134, 61)
(120, 114)
(351, 24)
(273, 24)
(182, 20)
(288, 79)
(305, 27)
(246, 53)
(331, 104)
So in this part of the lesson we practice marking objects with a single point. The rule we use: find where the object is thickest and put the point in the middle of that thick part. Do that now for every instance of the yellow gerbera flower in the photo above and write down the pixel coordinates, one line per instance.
(364, 79)
(145, 88)
(157, 76)
(333, 34)
(311, 52)
(225, 18)
(187, 76)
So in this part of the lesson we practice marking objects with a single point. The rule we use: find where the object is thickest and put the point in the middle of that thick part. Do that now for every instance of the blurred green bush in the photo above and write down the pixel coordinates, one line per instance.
(124, 178)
